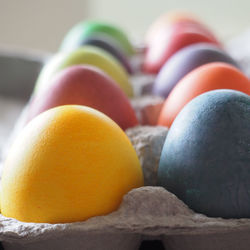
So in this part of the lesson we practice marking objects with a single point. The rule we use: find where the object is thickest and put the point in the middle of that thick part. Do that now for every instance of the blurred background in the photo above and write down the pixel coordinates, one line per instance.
(41, 25)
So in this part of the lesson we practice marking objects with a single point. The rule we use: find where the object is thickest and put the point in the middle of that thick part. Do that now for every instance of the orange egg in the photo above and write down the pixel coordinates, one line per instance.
(208, 77)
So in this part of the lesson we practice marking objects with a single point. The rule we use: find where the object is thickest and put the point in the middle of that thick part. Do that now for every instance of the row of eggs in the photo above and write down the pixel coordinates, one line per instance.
(72, 162)
(55, 145)
(185, 59)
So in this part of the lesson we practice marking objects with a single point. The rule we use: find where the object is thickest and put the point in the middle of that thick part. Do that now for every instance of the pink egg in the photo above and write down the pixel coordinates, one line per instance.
(170, 40)
(170, 18)
(88, 86)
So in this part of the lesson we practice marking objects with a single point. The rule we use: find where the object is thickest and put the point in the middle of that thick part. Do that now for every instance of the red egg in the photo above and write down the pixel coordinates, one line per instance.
(205, 78)
(169, 18)
(88, 86)
(169, 40)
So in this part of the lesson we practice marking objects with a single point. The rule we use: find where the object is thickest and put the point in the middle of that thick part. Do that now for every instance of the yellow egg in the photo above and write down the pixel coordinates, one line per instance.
(70, 163)
(86, 55)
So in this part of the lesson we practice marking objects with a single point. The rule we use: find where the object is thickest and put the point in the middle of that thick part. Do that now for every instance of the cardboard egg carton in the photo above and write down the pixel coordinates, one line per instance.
(149, 217)
(147, 108)
(146, 214)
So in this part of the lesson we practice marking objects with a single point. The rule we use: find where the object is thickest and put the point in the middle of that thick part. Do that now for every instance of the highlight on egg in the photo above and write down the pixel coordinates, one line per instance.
(69, 164)
(88, 86)
(208, 77)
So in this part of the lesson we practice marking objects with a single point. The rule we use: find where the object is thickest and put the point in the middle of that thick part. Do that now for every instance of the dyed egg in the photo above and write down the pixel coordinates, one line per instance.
(184, 61)
(169, 41)
(88, 86)
(205, 160)
(109, 45)
(85, 29)
(86, 55)
(69, 164)
(208, 77)
(170, 18)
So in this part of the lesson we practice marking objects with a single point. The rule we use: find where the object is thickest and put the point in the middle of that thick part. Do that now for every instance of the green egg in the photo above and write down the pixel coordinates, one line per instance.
(85, 29)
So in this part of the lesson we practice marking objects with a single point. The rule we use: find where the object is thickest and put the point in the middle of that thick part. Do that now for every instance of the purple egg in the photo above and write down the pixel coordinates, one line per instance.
(109, 46)
(184, 61)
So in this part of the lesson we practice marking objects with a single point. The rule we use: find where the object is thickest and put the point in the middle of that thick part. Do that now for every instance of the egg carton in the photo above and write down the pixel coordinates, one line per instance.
(149, 217)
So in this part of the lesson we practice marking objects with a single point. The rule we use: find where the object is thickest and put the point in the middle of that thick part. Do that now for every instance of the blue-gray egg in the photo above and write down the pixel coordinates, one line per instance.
(205, 160)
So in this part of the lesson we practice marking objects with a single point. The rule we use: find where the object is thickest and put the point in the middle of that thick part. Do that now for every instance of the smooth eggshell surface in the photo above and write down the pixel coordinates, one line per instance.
(89, 86)
(85, 29)
(69, 164)
(169, 41)
(184, 61)
(205, 159)
(169, 18)
(109, 45)
(89, 55)
(208, 77)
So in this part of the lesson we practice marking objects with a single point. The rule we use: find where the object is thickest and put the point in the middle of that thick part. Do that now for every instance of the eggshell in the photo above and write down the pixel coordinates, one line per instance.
(205, 159)
(109, 45)
(169, 41)
(89, 86)
(184, 61)
(85, 29)
(172, 17)
(85, 55)
(208, 77)
(69, 163)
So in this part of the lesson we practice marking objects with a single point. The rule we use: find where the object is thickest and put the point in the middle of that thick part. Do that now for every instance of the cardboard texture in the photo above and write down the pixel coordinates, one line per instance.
(148, 142)
(142, 84)
(147, 108)
(150, 213)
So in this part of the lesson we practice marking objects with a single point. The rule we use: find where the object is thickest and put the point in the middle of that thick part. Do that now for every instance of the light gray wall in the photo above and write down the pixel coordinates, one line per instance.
(225, 17)
(38, 24)
(41, 24)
